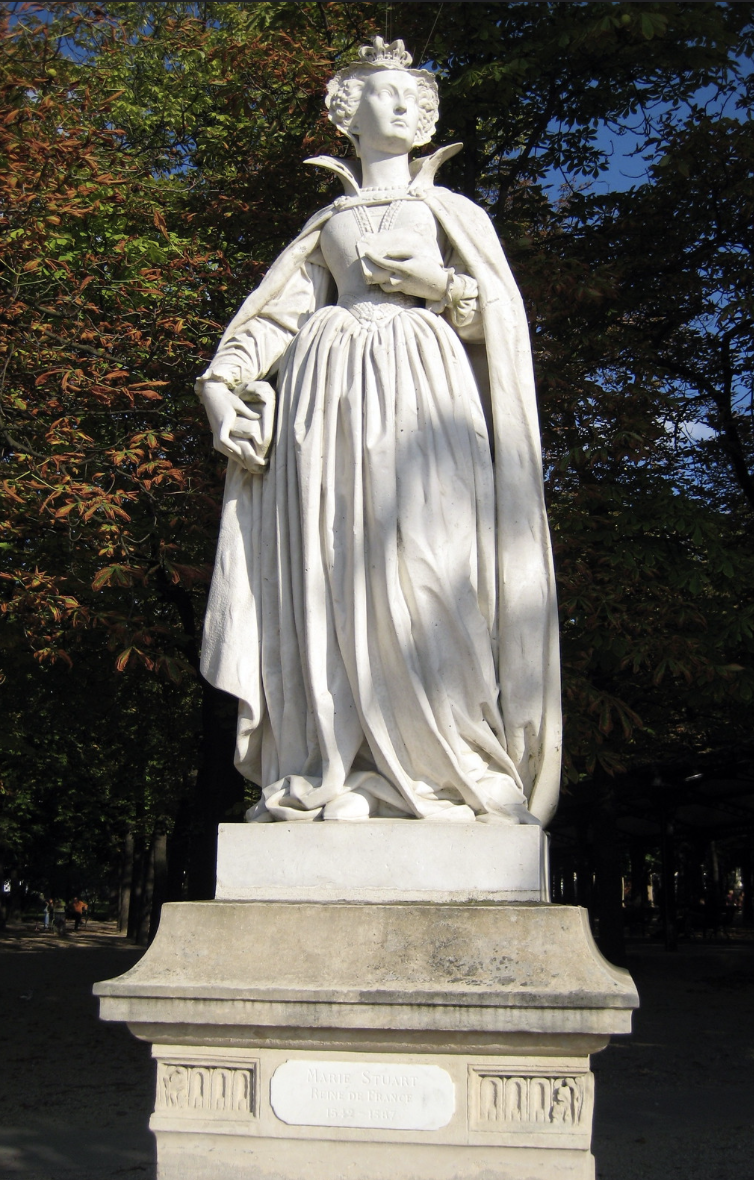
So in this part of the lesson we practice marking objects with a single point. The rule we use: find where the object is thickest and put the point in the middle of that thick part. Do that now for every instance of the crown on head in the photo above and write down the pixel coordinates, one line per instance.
(394, 56)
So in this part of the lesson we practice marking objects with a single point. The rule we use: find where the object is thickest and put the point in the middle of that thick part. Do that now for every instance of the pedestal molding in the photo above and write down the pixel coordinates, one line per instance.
(506, 1001)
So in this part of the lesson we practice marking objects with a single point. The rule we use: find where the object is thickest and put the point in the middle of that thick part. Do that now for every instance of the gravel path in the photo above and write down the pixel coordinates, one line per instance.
(674, 1101)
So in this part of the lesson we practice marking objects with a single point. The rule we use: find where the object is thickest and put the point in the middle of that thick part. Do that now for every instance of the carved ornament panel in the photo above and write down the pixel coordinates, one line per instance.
(502, 1101)
(213, 1090)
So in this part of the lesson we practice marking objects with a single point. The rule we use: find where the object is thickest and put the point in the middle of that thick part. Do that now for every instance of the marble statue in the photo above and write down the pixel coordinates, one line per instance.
(383, 602)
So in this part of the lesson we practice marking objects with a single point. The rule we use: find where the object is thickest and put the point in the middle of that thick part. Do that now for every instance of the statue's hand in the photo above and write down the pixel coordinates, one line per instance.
(223, 407)
(241, 423)
(418, 275)
(254, 434)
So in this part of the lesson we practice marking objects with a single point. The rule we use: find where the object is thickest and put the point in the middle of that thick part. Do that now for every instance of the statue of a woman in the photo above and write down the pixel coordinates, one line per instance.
(383, 603)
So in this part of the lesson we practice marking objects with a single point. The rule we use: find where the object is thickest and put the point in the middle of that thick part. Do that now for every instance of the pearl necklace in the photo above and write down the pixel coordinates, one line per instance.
(376, 190)
(376, 196)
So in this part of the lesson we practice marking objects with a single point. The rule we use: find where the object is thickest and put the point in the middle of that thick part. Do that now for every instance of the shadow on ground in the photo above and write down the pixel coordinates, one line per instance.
(674, 1101)
(75, 1094)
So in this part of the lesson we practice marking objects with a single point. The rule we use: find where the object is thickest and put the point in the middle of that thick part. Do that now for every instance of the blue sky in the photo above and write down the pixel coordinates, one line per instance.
(627, 164)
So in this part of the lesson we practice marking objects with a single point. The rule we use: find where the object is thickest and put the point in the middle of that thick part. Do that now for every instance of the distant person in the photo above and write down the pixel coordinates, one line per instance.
(49, 910)
(79, 909)
(59, 916)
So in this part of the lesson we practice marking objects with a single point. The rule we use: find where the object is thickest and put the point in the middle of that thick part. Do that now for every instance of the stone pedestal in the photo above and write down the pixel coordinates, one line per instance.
(382, 860)
(372, 1039)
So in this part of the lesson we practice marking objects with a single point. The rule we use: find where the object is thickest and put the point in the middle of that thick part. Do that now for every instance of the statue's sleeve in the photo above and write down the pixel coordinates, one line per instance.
(461, 302)
(255, 349)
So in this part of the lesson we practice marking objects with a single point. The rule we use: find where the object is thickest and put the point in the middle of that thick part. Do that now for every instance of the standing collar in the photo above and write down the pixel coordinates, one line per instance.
(422, 171)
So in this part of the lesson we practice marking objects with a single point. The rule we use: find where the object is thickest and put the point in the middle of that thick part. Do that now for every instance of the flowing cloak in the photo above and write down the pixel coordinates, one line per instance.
(528, 654)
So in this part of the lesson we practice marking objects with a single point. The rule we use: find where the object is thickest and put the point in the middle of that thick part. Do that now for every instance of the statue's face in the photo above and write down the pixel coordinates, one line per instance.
(388, 112)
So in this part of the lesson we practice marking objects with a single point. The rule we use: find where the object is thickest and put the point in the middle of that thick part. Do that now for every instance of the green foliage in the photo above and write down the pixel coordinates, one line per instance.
(84, 762)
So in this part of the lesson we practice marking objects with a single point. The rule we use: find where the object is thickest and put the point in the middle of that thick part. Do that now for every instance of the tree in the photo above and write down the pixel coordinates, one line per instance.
(137, 186)
(654, 589)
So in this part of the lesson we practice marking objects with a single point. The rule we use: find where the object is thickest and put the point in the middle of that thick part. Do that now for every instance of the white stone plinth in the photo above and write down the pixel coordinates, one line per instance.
(360, 1041)
(381, 861)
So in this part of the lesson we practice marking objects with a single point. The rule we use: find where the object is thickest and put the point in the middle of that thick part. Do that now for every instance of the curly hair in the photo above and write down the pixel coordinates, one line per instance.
(344, 95)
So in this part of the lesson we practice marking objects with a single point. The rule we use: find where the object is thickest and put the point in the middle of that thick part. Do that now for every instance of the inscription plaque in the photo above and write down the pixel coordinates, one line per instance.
(371, 1094)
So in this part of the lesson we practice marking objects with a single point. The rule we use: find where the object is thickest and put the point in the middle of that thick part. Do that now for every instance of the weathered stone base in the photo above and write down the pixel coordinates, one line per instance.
(514, 1119)
(372, 1042)
(208, 1157)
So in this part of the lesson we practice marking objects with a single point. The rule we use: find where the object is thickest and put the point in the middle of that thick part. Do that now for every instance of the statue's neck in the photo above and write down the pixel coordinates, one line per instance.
(378, 170)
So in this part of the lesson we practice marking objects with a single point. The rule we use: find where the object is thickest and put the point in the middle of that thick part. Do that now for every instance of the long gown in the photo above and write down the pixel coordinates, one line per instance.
(374, 530)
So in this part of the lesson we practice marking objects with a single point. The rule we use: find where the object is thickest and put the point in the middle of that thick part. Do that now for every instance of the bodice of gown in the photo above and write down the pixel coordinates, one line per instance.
(256, 349)
(408, 220)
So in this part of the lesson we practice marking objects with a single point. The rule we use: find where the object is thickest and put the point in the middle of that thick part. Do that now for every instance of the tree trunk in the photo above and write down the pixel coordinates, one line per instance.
(14, 897)
(669, 908)
(569, 879)
(584, 870)
(608, 907)
(747, 880)
(178, 848)
(639, 873)
(219, 789)
(137, 884)
(159, 890)
(716, 883)
(126, 877)
(141, 934)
